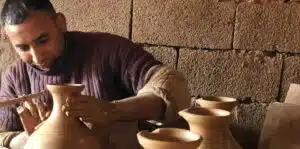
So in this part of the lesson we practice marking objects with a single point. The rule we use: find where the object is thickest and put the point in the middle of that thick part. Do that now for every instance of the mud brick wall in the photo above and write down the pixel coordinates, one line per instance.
(231, 47)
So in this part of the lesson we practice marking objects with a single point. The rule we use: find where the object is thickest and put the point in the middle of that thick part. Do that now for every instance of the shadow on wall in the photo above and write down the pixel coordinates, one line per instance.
(249, 142)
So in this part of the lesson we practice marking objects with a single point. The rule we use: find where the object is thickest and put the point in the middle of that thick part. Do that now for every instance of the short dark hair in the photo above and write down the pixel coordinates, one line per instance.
(16, 11)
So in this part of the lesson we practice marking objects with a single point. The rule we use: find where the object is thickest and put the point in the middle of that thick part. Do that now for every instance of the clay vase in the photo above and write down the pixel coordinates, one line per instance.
(168, 138)
(60, 131)
(217, 102)
(212, 125)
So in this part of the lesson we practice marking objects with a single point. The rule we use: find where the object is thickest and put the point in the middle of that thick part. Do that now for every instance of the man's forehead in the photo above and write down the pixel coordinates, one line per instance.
(33, 18)
(12, 28)
(31, 28)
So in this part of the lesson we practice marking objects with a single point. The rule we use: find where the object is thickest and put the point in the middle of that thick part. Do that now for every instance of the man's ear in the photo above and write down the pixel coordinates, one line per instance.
(61, 22)
(3, 35)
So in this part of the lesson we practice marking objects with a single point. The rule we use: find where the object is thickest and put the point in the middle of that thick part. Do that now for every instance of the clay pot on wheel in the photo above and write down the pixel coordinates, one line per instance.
(217, 102)
(60, 131)
(212, 125)
(168, 138)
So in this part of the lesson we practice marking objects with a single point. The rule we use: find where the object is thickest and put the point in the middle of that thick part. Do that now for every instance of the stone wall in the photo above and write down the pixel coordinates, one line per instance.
(229, 48)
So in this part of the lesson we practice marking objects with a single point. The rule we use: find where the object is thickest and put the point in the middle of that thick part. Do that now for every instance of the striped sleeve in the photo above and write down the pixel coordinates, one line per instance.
(9, 119)
(135, 63)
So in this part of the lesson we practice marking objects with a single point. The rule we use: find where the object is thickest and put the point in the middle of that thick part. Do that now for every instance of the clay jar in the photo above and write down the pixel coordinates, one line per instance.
(218, 102)
(212, 125)
(60, 131)
(168, 138)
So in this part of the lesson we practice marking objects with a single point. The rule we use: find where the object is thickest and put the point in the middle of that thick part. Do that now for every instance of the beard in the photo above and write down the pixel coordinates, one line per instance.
(45, 65)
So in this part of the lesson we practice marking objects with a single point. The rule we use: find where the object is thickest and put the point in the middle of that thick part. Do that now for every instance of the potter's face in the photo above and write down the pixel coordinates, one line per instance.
(39, 39)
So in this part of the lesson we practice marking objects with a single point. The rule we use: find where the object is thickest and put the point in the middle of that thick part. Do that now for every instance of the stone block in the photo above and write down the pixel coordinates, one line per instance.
(265, 1)
(191, 23)
(7, 55)
(291, 74)
(111, 16)
(269, 27)
(251, 116)
(244, 75)
(166, 55)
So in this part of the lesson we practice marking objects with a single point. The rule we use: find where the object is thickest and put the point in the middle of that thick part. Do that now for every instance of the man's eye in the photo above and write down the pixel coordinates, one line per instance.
(42, 41)
(22, 48)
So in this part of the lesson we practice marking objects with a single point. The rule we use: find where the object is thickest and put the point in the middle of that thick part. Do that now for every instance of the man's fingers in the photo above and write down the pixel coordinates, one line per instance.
(28, 121)
(77, 100)
(74, 108)
(32, 108)
(48, 109)
(85, 119)
(76, 113)
(84, 101)
(42, 110)
(99, 122)
(80, 99)
(48, 114)
(106, 106)
(37, 109)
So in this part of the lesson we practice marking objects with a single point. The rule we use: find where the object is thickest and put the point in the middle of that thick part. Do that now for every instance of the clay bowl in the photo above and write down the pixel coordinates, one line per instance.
(168, 138)
(217, 102)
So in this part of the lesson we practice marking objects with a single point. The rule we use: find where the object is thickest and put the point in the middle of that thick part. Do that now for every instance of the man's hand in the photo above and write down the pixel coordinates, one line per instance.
(91, 110)
(31, 114)
(38, 109)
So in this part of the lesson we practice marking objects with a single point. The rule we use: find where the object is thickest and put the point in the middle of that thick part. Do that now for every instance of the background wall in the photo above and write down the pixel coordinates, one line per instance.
(239, 49)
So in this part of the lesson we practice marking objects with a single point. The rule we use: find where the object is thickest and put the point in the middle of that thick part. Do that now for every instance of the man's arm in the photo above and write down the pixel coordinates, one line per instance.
(164, 90)
(9, 121)
(164, 94)
(141, 107)
(158, 92)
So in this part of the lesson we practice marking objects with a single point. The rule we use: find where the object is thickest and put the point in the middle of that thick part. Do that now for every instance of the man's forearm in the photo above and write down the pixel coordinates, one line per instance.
(146, 106)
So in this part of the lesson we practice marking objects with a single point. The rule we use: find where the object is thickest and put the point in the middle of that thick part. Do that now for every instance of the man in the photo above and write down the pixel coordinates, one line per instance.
(114, 71)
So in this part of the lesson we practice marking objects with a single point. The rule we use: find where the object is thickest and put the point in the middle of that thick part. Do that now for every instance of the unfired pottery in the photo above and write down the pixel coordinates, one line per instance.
(293, 94)
(60, 131)
(212, 125)
(168, 138)
(281, 127)
(287, 136)
(217, 102)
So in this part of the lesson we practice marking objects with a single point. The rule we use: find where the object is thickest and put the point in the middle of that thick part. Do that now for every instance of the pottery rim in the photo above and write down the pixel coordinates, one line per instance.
(205, 113)
(159, 136)
(219, 102)
(66, 86)
(217, 99)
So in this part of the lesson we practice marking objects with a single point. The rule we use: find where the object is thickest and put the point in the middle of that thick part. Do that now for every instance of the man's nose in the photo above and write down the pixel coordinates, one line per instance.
(36, 55)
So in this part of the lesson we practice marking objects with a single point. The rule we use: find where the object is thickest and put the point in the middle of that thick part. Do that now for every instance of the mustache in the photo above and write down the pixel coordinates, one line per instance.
(42, 63)
(40, 66)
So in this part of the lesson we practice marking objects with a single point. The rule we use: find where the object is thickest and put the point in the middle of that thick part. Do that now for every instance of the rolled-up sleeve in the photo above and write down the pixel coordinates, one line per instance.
(141, 72)
(171, 86)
